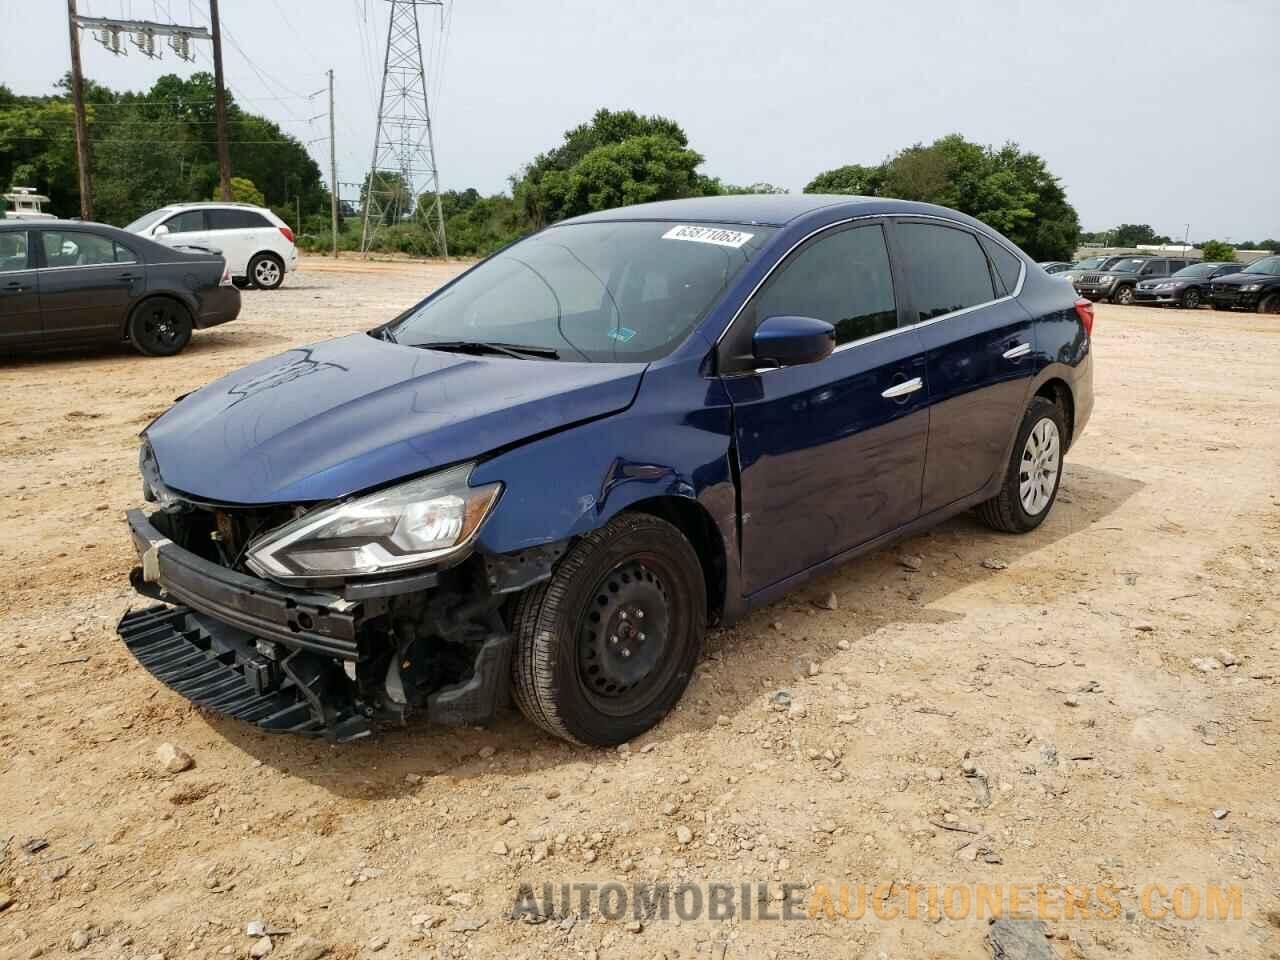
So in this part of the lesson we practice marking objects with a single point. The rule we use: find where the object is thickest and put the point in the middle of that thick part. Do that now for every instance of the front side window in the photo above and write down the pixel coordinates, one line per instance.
(189, 221)
(13, 251)
(621, 292)
(946, 269)
(843, 278)
(69, 248)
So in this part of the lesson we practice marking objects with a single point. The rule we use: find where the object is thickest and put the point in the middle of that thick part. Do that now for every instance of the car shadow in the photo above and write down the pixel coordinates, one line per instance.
(424, 760)
(202, 341)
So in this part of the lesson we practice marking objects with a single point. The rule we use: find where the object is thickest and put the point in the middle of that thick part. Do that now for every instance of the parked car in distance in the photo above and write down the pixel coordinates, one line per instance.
(1120, 279)
(1054, 266)
(1188, 288)
(68, 282)
(258, 245)
(550, 474)
(1088, 264)
(1256, 287)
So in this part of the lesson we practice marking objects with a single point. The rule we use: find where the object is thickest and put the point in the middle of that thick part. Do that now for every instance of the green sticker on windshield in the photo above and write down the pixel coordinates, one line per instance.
(622, 334)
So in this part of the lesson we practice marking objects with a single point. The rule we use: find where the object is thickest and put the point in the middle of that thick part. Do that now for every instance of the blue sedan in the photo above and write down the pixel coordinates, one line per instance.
(547, 478)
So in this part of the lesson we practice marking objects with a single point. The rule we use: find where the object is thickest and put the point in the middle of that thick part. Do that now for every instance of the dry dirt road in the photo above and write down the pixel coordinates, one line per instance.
(1080, 671)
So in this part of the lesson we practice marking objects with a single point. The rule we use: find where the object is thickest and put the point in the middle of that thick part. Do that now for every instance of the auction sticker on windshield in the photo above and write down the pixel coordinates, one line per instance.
(721, 238)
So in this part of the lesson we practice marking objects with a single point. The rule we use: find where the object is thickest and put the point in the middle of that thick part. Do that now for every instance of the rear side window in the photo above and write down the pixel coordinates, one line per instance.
(125, 255)
(236, 220)
(946, 269)
(13, 251)
(842, 278)
(189, 221)
(73, 249)
(1008, 267)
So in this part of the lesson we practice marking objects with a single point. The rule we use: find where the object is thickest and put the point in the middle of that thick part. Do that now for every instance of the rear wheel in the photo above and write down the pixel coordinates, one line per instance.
(605, 648)
(1123, 296)
(1191, 299)
(159, 327)
(266, 271)
(1270, 304)
(1035, 469)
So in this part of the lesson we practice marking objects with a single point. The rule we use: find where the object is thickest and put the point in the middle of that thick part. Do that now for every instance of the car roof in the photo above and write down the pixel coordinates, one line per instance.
(765, 209)
(61, 224)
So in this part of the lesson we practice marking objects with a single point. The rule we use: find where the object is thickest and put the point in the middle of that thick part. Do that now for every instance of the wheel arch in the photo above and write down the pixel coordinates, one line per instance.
(1056, 390)
(694, 520)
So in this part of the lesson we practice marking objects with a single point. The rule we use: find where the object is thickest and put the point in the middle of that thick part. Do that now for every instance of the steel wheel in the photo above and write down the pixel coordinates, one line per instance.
(267, 273)
(1191, 299)
(1039, 471)
(160, 327)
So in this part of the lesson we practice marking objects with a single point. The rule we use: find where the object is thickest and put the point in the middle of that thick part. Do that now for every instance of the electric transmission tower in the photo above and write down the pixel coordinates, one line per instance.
(404, 151)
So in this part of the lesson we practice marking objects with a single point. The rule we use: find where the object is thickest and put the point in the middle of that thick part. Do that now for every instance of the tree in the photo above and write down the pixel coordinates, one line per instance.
(594, 154)
(753, 188)
(394, 198)
(243, 191)
(1215, 251)
(1006, 188)
(1133, 234)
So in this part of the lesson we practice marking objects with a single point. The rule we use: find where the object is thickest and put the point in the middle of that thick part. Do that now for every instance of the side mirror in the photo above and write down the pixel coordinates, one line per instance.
(790, 341)
(160, 231)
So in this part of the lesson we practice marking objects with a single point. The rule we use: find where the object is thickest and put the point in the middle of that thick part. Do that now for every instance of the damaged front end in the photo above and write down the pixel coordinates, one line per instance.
(328, 656)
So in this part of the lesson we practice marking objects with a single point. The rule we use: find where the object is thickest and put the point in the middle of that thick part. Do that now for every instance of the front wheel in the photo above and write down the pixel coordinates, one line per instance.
(1123, 296)
(159, 327)
(1035, 469)
(266, 271)
(605, 647)
(1270, 304)
(1191, 299)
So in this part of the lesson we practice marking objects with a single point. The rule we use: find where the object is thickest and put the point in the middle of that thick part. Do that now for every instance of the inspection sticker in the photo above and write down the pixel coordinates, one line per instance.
(721, 238)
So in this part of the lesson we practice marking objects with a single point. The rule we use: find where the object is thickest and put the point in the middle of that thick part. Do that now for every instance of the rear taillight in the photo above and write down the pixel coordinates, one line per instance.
(226, 278)
(1085, 311)
(288, 234)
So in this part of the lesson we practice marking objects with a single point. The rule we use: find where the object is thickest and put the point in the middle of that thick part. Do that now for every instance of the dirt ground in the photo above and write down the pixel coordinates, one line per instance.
(1111, 681)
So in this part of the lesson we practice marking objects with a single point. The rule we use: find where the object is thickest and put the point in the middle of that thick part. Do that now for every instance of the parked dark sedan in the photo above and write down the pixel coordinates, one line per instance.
(64, 282)
(552, 473)
(1188, 288)
(1256, 287)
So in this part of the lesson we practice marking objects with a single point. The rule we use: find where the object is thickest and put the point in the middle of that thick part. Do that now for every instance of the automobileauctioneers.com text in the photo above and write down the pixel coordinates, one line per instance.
(887, 901)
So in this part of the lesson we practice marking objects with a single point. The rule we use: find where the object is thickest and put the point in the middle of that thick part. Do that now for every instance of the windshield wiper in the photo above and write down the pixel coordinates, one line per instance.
(517, 350)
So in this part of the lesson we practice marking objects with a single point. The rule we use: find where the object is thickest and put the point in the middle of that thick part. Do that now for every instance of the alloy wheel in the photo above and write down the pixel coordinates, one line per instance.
(1191, 299)
(1038, 475)
(266, 273)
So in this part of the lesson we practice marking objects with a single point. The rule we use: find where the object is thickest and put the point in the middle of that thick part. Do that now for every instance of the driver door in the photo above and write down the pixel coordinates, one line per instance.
(831, 454)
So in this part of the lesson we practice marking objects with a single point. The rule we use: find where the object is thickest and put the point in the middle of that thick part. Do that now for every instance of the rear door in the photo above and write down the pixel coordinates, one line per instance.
(19, 291)
(830, 453)
(239, 234)
(88, 282)
(979, 346)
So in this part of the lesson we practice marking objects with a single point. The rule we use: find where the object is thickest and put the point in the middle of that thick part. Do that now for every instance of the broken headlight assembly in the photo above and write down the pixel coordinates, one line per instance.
(423, 521)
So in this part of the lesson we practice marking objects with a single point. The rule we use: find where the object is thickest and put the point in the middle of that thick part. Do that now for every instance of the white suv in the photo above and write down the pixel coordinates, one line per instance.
(258, 245)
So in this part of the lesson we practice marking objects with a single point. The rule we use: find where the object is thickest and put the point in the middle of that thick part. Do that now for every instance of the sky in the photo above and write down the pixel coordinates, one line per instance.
(1159, 113)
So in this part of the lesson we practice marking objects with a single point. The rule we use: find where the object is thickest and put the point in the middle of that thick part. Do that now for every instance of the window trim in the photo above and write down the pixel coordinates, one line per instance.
(888, 219)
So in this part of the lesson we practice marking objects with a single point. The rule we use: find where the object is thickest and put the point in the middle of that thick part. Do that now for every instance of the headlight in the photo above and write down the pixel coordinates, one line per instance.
(1106, 280)
(404, 526)
(1069, 277)
(1251, 287)
(1164, 286)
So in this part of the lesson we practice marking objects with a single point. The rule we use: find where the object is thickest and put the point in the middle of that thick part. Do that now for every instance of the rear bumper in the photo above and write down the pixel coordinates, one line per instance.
(221, 305)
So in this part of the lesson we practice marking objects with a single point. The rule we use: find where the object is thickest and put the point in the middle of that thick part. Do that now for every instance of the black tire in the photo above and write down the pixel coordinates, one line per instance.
(160, 327)
(1123, 296)
(1190, 299)
(1006, 511)
(242, 283)
(1221, 306)
(574, 670)
(1270, 304)
(266, 271)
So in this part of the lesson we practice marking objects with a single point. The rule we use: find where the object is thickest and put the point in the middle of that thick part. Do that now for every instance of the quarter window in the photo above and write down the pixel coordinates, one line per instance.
(13, 251)
(946, 269)
(1008, 267)
(843, 279)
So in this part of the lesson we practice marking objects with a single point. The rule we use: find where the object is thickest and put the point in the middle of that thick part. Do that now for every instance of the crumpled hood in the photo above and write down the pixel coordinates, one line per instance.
(338, 417)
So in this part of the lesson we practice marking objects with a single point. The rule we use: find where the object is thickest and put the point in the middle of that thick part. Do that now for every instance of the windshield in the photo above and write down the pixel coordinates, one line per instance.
(146, 220)
(1091, 263)
(621, 292)
(1269, 265)
(1127, 266)
(1198, 270)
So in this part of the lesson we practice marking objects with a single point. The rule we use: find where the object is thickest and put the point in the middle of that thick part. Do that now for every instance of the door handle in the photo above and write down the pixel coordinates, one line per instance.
(1013, 353)
(903, 389)
(14, 286)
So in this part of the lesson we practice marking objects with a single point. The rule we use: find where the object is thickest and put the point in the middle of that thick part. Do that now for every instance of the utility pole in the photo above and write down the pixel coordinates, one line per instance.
(333, 170)
(82, 125)
(220, 106)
